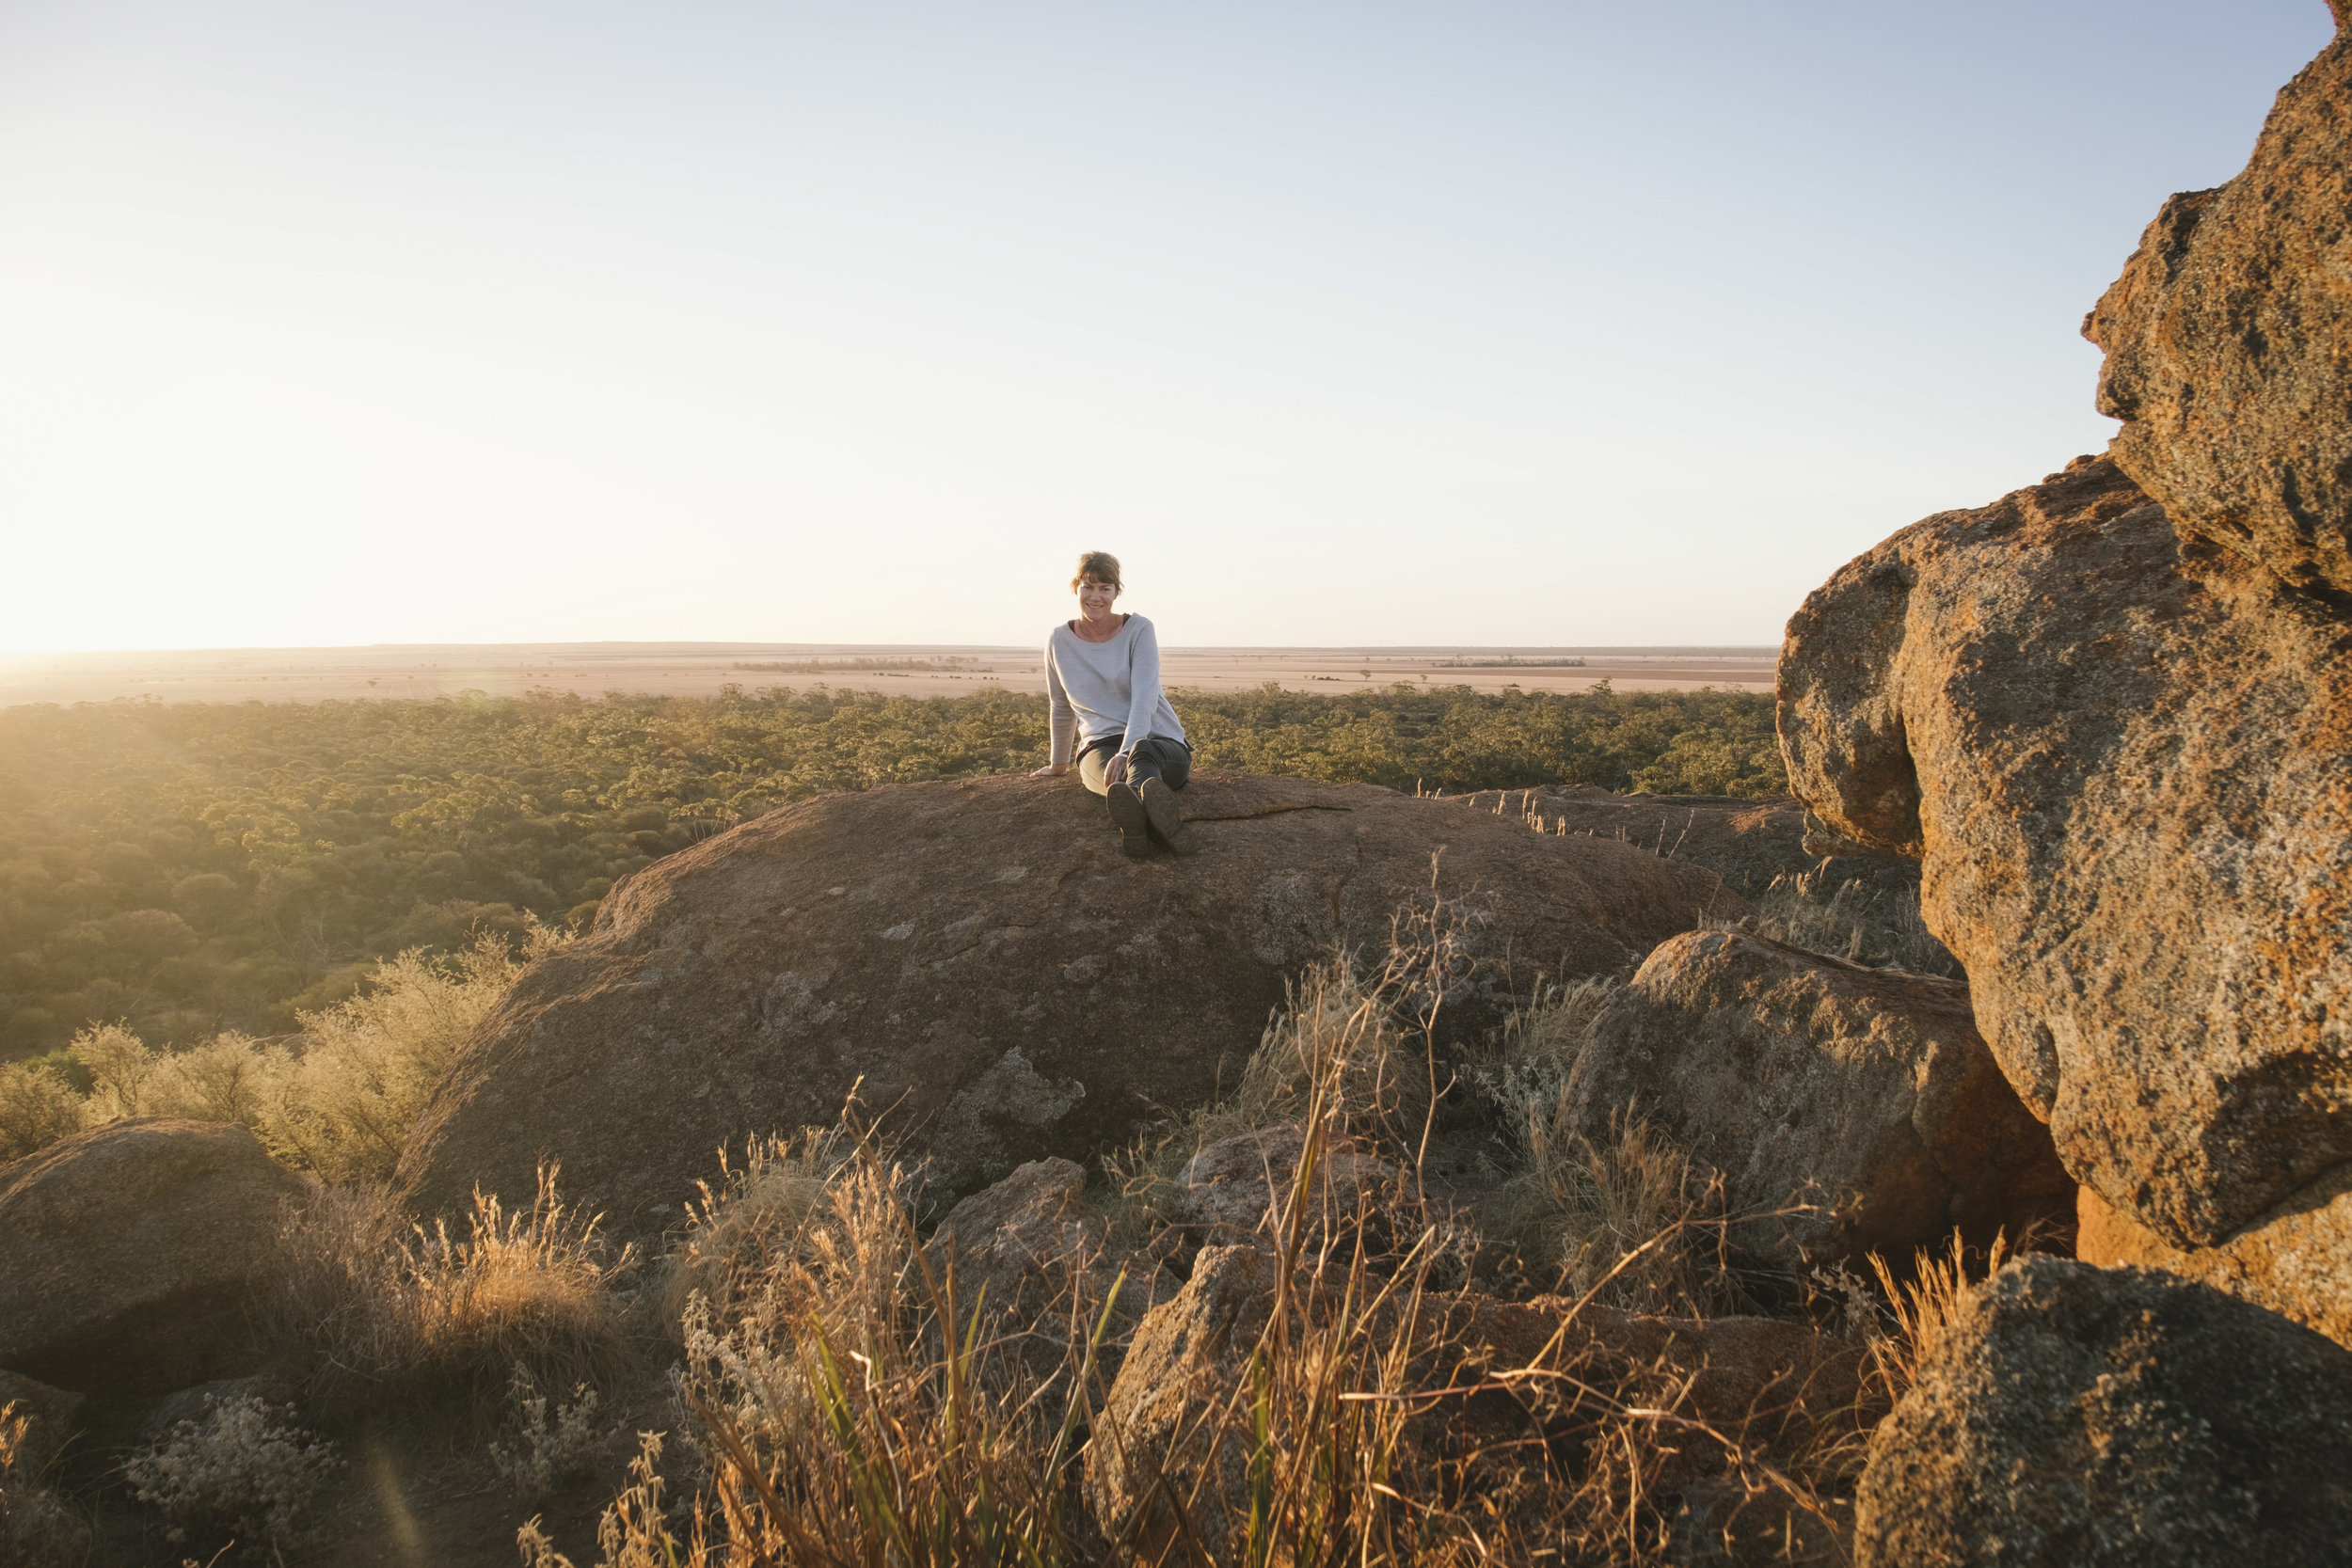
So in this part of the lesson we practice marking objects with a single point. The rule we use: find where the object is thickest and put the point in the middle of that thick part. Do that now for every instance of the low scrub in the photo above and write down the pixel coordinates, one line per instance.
(383, 1311)
(245, 1474)
(339, 1099)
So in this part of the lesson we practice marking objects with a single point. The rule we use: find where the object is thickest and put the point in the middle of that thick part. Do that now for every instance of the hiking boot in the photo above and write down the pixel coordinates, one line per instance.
(1134, 828)
(1166, 818)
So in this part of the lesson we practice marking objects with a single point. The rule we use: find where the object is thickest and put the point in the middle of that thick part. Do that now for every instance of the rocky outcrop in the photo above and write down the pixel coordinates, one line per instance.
(2229, 340)
(2119, 752)
(1865, 1096)
(993, 976)
(1173, 1411)
(2071, 1416)
(2291, 1260)
(1813, 889)
(1027, 1248)
(125, 1253)
(1751, 844)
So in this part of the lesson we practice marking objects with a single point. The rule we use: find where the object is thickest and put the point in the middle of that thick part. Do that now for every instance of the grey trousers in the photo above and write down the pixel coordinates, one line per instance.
(1169, 761)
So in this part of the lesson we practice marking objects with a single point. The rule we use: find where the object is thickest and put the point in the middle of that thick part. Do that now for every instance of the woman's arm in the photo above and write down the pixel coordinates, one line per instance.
(1143, 684)
(1062, 717)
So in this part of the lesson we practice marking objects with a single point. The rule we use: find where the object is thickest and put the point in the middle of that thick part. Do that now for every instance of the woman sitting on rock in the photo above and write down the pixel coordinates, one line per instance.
(1102, 672)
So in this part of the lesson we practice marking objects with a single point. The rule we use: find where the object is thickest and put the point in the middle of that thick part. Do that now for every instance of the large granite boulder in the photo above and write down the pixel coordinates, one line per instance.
(2072, 1416)
(981, 962)
(126, 1252)
(1178, 1407)
(1865, 1096)
(2229, 342)
(2120, 751)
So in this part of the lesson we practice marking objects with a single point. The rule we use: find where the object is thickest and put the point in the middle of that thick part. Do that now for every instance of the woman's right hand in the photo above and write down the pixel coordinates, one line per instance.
(1051, 771)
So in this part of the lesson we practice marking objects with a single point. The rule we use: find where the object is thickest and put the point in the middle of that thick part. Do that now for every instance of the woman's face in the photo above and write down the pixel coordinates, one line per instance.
(1094, 600)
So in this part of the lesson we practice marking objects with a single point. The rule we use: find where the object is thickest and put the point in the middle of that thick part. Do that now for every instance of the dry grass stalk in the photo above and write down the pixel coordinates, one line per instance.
(35, 1526)
(385, 1310)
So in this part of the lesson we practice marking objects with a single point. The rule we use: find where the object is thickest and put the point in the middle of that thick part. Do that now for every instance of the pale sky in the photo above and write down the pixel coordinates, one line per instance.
(1564, 323)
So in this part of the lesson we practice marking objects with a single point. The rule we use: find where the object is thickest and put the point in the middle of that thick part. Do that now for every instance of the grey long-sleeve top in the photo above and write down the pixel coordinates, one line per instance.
(1112, 688)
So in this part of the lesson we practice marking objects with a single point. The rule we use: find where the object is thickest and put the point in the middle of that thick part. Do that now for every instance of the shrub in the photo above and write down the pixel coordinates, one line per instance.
(36, 1110)
(344, 1107)
(384, 1310)
(543, 1449)
(341, 1106)
(244, 1471)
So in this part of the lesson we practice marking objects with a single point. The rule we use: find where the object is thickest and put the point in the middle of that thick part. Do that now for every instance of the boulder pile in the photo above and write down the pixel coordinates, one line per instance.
(2109, 713)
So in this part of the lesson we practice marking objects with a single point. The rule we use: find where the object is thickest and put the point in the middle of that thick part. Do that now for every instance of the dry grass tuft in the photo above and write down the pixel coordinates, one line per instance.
(753, 1221)
(1883, 930)
(35, 1527)
(385, 1311)
(1919, 1309)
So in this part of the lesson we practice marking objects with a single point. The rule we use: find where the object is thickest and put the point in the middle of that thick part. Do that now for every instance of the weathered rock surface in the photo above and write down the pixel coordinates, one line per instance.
(2229, 340)
(2121, 754)
(1228, 1189)
(1865, 1094)
(1829, 897)
(1001, 980)
(2292, 1260)
(1775, 1383)
(1028, 1243)
(125, 1252)
(2072, 1416)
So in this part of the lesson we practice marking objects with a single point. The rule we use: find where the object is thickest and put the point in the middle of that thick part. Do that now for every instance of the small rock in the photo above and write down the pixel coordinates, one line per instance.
(1229, 1187)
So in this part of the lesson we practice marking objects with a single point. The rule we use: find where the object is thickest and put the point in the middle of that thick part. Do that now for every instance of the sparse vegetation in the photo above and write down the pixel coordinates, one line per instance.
(245, 1474)
(1879, 928)
(382, 1312)
(183, 870)
(337, 1100)
(546, 1442)
(35, 1526)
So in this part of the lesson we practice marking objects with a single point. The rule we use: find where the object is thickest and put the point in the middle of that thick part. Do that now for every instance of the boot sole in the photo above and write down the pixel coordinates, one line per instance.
(1128, 816)
(1166, 818)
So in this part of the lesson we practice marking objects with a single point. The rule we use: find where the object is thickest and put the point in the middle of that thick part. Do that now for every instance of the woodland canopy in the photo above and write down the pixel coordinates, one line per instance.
(185, 868)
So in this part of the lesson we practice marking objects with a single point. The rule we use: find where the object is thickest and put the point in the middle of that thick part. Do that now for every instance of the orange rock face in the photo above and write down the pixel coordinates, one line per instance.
(2119, 754)
(2292, 1260)
(2229, 340)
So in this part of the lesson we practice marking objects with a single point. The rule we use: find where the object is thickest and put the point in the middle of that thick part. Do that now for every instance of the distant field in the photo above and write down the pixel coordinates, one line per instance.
(702, 668)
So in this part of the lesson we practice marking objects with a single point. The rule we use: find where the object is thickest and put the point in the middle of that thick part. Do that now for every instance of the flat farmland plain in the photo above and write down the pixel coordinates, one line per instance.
(700, 668)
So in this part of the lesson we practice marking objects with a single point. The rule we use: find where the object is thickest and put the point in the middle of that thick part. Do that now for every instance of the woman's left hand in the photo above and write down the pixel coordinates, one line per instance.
(1113, 769)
